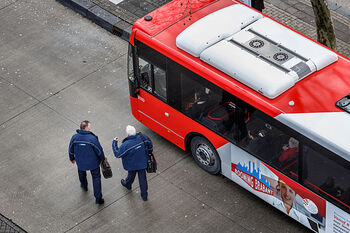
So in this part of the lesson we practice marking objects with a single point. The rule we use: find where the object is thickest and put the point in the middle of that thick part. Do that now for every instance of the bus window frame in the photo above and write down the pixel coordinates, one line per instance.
(133, 81)
(136, 62)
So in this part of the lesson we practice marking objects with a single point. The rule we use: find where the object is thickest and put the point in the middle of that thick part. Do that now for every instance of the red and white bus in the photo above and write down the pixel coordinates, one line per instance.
(251, 99)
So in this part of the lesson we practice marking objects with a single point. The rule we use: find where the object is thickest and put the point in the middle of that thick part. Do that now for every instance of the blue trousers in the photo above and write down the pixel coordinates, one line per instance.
(96, 181)
(142, 181)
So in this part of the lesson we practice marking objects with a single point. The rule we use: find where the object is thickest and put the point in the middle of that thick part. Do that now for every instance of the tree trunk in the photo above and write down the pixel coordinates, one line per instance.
(324, 24)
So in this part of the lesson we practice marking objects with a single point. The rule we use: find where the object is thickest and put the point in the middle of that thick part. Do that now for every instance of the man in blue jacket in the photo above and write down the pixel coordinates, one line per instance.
(133, 152)
(86, 151)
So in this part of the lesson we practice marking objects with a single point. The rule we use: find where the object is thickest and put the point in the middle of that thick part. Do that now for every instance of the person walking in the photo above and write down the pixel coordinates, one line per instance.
(134, 153)
(85, 150)
(258, 5)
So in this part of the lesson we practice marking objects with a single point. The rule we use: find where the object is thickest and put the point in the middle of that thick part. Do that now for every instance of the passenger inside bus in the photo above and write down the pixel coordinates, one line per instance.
(236, 123)
(198, 104)
(289, 152)
(145, 75)
(194, 104)
(268, 141)
(329, 187)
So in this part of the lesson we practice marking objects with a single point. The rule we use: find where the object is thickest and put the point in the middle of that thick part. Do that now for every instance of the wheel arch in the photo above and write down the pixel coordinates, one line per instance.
(188, 140)
(190, 136)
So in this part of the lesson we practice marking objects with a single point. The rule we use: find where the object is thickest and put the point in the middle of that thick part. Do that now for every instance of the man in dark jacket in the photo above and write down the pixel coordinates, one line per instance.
(258, 5)
(133, 152)
(85, 149)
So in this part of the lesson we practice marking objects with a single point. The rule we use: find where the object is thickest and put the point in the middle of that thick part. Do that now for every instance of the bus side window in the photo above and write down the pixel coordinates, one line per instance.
(160, 83)
(272, 145)
(145, 71)
(326, 176)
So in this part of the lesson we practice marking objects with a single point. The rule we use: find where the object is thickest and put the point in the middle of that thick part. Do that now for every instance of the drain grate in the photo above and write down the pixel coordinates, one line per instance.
(7, 226)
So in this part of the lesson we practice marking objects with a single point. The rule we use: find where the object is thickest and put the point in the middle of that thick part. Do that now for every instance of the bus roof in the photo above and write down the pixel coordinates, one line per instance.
(305, 101)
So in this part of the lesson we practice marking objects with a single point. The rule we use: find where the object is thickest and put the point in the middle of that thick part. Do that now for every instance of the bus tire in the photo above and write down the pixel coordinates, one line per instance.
(205, 155)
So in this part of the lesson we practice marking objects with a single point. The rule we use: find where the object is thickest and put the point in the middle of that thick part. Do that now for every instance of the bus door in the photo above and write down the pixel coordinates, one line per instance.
(153, 108)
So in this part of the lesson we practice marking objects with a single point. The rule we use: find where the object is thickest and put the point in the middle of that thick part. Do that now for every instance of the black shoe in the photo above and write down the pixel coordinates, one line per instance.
(100, 202)
(84, 188)
(144, 198)
(122, 181)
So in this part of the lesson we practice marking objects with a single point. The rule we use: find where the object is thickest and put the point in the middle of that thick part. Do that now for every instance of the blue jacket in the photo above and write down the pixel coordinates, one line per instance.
(85, 148)
(133, 152)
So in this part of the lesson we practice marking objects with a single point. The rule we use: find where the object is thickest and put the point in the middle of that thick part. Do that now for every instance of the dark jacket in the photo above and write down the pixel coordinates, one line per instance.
(258, 4)
(133, 152)
(85, 148)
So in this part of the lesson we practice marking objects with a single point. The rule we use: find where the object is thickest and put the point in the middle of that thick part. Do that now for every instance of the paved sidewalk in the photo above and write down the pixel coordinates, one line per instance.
(297, 14)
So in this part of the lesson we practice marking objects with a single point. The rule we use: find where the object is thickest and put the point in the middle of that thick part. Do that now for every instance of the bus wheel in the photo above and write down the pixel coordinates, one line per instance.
(205, 155)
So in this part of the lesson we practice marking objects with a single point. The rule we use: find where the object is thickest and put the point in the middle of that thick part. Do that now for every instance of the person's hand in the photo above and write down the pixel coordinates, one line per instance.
(116, 139)
(285, 147)
(73, 161)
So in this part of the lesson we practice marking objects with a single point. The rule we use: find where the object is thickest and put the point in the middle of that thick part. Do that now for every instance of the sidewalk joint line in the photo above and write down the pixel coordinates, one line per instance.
(8, 5)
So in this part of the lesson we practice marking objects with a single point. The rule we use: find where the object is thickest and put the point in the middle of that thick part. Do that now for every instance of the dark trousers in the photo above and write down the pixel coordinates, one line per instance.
(142, 181)
(96, 181)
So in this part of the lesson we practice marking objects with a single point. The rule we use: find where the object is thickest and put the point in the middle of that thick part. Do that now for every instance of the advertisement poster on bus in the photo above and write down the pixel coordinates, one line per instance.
(279, 190)
(337, 219)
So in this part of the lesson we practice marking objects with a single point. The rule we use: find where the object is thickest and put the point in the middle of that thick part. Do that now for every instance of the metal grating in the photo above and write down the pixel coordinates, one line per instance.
(7, 226)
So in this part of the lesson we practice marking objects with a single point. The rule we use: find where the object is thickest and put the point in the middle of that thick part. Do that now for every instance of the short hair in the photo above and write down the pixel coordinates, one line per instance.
(84, 124)
(130, 130)
(293, 143)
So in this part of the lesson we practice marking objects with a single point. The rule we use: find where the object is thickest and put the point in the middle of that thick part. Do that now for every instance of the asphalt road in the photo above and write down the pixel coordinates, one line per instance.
(57, 69)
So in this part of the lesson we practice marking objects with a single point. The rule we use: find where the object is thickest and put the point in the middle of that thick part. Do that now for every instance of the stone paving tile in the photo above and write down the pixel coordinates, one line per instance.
(304, 8)
(291, 10)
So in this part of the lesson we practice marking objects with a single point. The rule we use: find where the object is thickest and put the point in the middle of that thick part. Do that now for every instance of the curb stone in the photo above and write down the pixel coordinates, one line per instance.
(100, 16)
(6, 225)
(339, 9)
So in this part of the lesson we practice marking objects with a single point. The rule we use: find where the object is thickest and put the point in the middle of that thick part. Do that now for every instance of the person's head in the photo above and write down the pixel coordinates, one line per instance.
(287, 193)
(130, 130)
(293, 143)
(85, 125)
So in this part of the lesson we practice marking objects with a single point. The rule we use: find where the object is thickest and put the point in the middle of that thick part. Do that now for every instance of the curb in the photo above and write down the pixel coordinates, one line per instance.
(100, 16)
(339, 9)
(6, 225)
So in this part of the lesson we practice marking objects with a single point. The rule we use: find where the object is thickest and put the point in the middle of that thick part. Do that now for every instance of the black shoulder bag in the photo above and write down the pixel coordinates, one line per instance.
(151, 160)
(106, 169)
